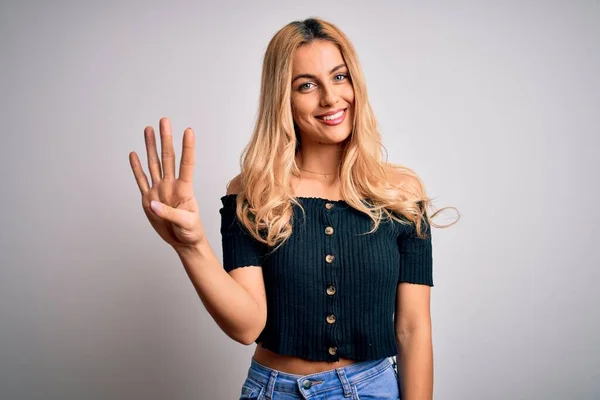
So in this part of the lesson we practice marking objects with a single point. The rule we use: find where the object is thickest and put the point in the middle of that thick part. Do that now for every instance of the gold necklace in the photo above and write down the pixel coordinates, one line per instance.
(320, 173)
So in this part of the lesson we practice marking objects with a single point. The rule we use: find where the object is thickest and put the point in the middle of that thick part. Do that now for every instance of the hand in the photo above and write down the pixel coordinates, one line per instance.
(174, 213)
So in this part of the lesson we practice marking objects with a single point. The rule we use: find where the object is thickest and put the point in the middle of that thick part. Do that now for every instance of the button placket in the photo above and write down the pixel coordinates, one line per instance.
(331, 267)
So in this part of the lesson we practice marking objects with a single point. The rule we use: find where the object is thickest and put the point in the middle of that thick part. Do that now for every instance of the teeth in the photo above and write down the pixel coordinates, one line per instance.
(334, 116)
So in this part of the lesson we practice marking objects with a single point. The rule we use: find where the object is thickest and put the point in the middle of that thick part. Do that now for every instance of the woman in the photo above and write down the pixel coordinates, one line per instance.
(327, 259)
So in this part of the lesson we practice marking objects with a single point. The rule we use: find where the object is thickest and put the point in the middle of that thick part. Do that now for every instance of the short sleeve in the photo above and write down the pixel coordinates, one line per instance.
(416, 256)
(240, 249)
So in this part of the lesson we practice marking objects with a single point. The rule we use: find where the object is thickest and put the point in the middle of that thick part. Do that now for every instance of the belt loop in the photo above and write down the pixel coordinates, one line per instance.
(344, 380)
(271, 385)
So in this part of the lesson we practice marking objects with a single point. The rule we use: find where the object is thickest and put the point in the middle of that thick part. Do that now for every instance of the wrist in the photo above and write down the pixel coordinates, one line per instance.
(197, 249)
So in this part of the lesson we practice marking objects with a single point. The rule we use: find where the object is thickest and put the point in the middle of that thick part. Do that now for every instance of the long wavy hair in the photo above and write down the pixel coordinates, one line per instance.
(379, 189)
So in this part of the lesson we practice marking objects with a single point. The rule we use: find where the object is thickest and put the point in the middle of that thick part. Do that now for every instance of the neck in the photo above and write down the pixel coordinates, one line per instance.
(320, 159)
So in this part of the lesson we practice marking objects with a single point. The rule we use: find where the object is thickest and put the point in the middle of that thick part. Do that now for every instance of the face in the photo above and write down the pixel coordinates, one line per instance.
(322, 93)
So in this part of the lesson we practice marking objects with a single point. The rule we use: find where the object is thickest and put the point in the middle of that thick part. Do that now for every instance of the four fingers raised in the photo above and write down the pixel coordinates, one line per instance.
(167, 169)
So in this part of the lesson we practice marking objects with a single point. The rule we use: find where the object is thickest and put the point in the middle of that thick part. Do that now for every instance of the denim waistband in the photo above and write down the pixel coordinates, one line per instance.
(274, 380)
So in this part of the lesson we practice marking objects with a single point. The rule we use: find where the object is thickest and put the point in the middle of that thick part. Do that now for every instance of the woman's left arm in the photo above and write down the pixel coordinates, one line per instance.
(415, 346)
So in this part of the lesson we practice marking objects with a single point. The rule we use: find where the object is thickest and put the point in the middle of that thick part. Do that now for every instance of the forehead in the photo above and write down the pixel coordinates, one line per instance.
(317, 57)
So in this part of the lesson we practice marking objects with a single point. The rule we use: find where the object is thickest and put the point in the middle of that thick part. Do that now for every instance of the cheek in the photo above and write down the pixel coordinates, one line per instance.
(349, 94)
(301, 110)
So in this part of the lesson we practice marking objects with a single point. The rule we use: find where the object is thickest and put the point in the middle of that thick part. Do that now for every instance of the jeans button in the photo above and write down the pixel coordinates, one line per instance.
(307, 384)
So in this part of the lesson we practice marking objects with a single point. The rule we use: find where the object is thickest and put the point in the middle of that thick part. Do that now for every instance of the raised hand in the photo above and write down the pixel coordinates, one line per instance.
(170, 204)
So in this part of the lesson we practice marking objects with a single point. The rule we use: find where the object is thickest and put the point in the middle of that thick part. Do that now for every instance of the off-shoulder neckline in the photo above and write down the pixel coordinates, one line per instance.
(301, 198)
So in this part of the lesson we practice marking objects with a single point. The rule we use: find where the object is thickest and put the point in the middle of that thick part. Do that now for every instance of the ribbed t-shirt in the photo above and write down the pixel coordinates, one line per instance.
(331, 287)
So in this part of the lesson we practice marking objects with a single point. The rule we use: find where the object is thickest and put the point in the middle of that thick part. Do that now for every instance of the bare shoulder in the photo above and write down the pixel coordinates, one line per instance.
(234, 186)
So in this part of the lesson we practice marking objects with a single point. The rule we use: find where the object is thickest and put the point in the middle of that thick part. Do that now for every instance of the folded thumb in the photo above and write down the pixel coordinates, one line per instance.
(178, 217)
(164, 211)
(157, 207)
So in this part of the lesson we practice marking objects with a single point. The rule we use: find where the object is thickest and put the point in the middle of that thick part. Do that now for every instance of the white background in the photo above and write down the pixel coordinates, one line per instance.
(494, 104)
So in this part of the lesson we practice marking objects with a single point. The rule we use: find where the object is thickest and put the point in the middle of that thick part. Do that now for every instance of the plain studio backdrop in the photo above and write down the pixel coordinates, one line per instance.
(494, 104)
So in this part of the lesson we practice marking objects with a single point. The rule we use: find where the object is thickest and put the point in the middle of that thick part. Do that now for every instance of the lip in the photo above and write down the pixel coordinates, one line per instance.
(333, 122)
(330, 113)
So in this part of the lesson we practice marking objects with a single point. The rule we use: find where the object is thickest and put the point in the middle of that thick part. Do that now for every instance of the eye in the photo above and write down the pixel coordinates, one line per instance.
(340, 77)
(305, 86)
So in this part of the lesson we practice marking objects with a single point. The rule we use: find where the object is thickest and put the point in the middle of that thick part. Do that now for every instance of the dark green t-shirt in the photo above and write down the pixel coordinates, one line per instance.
(331, 287)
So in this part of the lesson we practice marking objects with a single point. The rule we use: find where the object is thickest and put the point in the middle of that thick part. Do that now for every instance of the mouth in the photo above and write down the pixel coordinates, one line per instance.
(333, 119)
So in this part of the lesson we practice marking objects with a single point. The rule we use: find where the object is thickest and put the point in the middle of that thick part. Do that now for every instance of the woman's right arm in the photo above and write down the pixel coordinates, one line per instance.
(235, 300)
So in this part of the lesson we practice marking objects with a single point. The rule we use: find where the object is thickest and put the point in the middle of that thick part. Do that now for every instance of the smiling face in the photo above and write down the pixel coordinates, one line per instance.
(322, 93)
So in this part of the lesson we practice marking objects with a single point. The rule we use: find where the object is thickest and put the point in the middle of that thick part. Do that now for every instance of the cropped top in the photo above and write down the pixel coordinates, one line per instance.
(331, 287)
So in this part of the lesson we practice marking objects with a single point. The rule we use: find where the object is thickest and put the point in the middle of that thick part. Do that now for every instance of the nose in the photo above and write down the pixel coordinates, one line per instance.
(329, 96)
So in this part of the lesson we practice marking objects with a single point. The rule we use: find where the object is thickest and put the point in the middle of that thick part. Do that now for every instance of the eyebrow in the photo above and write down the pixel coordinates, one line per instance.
(309, 76)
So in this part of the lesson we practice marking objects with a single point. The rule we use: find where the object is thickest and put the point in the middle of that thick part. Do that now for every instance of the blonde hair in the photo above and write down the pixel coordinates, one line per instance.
(380, 189)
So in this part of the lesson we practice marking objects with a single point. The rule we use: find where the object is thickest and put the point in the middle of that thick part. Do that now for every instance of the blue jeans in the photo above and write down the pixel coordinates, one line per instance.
(358, 381)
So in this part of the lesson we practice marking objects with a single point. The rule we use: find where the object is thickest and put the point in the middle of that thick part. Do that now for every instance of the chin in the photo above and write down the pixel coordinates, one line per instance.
(338, 138)
(341, 133)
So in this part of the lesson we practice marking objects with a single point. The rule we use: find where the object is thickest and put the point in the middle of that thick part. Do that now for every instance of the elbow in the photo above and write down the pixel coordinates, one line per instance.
(250, 336)
(245, 338)
(246, 341)
(404, 334)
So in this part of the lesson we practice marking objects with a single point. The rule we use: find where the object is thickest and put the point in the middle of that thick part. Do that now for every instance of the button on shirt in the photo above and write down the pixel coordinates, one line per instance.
(331, 286)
